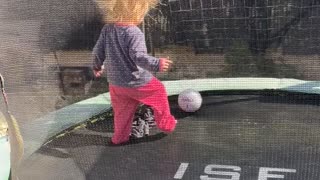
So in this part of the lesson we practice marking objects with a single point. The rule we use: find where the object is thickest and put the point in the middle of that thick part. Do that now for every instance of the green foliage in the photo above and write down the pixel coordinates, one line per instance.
(268, 68)
(240, 62)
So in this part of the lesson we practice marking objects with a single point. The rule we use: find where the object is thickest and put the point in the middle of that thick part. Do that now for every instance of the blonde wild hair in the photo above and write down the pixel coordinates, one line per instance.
(126, 11)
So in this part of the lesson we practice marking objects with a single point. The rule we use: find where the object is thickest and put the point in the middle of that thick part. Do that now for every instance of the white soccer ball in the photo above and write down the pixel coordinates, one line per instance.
(190, 100)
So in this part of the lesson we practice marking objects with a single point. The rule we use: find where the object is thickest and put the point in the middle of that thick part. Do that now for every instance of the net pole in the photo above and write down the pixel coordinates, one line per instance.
(15, 137)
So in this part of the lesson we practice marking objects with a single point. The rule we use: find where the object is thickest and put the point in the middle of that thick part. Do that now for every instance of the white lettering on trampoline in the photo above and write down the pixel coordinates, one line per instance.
(264, 173)
(227, 172)
(228, 175)
(182, 169)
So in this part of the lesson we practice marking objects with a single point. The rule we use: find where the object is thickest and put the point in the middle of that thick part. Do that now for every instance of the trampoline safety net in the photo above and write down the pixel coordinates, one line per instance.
(255, 62)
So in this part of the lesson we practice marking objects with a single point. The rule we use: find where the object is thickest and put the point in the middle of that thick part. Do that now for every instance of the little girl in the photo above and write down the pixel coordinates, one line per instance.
(121, 52)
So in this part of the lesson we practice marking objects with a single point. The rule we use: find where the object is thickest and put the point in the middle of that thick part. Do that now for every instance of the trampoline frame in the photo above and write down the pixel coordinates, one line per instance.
(62, 119)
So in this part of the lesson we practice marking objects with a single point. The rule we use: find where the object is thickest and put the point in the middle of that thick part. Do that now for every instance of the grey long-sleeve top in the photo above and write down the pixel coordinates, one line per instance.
(123, 51)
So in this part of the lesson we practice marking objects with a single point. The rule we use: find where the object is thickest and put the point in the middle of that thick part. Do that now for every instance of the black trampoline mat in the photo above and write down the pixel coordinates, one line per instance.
(246, 137)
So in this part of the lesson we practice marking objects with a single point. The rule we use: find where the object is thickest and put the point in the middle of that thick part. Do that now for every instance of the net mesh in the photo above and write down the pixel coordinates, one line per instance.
(46, 46)
(215, 24)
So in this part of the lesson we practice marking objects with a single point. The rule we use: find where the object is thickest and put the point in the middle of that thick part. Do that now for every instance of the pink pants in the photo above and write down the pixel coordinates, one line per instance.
(126, 100)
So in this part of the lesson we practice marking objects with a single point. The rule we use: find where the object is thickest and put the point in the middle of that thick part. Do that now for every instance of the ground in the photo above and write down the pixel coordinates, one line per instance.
(44, 94)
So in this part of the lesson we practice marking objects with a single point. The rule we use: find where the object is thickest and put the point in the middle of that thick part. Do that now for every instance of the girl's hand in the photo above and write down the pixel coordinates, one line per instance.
(165, 64)
(98, 73)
